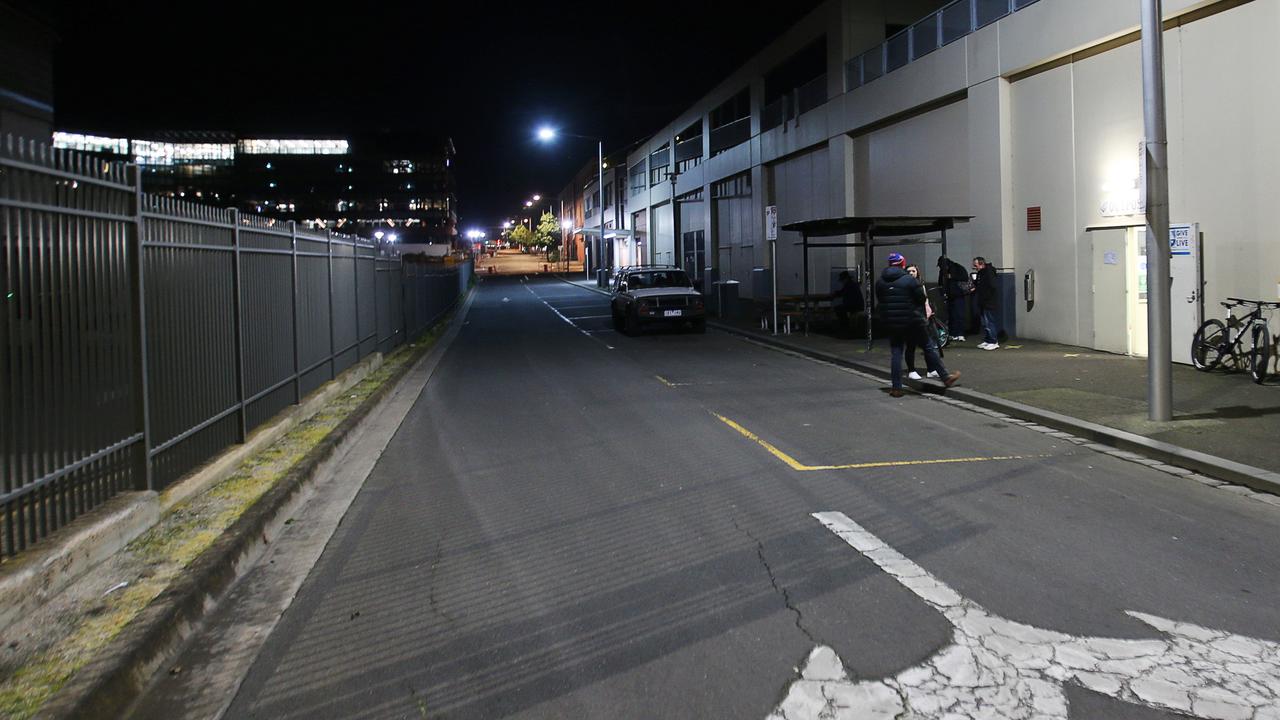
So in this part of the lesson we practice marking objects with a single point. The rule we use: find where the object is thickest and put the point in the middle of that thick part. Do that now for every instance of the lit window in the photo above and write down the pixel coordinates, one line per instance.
(293, 147)
(91, 143)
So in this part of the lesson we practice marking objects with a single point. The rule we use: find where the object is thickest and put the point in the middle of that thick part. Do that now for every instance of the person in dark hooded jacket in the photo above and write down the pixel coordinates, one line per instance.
(900, 301)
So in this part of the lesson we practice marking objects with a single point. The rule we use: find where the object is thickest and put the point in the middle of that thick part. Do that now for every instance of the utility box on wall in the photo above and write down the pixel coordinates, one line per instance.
(761, 284)
(1007, 302)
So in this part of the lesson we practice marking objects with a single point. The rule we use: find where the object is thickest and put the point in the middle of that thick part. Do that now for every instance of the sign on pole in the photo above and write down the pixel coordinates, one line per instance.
(771, 222)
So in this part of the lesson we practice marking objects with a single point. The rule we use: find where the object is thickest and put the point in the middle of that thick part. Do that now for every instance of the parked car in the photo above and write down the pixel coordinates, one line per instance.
(656, 295)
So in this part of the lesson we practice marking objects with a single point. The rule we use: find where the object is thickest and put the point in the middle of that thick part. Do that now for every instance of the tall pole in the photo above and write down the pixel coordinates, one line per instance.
(1159, 332)
(600, 210)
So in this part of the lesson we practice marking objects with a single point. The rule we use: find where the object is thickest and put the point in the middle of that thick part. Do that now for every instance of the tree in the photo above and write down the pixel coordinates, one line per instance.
(548, 233)
(522, 237)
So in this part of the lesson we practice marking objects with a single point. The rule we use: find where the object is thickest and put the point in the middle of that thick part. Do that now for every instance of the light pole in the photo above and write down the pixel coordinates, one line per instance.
(1156, 157)
(547, 134)
(565, 226)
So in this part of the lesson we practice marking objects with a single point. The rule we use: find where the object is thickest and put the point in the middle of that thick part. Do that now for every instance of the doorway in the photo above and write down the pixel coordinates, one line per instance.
(1120, 282)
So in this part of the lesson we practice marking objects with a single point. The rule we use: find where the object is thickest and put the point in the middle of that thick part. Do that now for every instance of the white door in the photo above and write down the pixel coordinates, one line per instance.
(1110, 291)
(1186, 304)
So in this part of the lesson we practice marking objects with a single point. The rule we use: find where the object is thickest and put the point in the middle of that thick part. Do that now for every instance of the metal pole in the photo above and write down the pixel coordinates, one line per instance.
(805, 237)
(1159, 332)
(773, 267)
(238, 300)
(142, 398)
(297, 367)
(600, 210)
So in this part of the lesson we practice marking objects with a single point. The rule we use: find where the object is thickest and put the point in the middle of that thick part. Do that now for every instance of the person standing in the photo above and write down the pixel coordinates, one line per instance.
(956, 285)
(848, 302)
(901, 306)
(910, 352)
(984, 285)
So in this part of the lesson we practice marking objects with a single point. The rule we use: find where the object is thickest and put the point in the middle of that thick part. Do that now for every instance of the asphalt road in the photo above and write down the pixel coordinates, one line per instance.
(573, 523)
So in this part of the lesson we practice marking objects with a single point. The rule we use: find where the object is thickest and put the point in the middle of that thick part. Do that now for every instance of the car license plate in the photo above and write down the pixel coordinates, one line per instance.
(671, 313)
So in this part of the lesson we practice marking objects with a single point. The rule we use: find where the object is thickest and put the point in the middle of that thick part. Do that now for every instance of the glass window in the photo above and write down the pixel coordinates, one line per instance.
(956, 21)
(989, 11)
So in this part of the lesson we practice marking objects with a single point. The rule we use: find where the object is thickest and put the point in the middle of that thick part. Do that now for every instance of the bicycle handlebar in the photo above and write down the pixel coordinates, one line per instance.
(1234, 302)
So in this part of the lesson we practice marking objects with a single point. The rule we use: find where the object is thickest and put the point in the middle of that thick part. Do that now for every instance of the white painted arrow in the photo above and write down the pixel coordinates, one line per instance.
(998, 668)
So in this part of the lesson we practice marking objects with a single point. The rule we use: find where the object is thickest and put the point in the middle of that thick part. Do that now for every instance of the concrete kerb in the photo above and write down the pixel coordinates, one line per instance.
(43, 571)
(1203, 463)
(112, 681)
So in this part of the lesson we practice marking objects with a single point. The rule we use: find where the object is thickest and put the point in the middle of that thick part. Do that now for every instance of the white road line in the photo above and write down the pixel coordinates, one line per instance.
(562, 317)
(998, 668)
(590, 317)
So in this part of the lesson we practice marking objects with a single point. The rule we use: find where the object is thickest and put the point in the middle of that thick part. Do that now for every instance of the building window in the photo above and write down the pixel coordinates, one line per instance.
(293, 147)
(736, 186)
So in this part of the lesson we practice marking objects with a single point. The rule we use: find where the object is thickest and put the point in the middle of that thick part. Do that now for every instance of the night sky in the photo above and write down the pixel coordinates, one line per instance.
(484, 74)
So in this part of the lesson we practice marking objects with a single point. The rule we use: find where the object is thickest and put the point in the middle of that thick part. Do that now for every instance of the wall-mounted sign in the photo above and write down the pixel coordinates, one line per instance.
(1180, 239)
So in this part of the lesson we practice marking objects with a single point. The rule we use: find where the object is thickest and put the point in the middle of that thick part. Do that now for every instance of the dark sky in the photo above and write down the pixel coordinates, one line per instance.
(485, 74)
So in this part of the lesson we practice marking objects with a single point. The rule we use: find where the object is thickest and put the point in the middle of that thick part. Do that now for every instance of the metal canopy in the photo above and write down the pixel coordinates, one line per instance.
(608, 232)
(870, 228)
(888, 226)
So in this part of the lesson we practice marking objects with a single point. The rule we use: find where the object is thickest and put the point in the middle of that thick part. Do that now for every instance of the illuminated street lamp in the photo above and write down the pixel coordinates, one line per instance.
(379, 234)
(547, 134)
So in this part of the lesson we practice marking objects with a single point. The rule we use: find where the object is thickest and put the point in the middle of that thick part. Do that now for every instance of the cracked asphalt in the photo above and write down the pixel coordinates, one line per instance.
(563, 528)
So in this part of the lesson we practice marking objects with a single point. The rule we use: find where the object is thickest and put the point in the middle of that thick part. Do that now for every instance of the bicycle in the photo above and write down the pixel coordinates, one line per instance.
(1217, 343)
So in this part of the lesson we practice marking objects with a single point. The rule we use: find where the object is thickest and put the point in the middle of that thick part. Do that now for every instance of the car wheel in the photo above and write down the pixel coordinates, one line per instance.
(699, 326)
(633, 324)
(617, 318)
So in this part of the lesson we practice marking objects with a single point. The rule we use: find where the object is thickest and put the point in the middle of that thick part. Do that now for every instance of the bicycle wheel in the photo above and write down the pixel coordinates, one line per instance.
(1260, 354)
(940, 333)
(1209, 345)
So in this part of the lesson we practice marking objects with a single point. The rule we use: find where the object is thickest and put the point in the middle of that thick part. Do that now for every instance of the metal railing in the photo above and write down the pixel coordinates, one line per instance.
(144, 335)
(730, 135)
(952, 22)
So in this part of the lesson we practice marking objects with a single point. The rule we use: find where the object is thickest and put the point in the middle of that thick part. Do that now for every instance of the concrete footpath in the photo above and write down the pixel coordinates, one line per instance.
(1221, 420)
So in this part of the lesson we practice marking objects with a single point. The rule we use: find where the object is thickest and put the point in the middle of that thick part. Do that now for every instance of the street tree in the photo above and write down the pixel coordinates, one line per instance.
(522, 236)
(548, 233)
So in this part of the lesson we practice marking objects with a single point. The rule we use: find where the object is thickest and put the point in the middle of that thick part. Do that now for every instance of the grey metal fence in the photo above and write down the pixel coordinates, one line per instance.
(144, 335)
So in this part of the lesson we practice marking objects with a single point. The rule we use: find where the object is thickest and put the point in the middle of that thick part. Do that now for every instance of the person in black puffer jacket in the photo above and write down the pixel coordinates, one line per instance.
(900, 301)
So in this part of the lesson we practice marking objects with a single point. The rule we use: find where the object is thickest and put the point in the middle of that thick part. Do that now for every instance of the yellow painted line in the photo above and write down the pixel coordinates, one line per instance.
(800, 467)
(668, 383)
(765, 444)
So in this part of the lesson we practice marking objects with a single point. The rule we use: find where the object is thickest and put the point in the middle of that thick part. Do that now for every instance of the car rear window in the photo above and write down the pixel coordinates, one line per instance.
(658, 278)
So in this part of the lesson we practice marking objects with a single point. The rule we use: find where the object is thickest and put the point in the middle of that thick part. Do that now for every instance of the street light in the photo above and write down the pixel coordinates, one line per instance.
(379, 234)
(547, 134)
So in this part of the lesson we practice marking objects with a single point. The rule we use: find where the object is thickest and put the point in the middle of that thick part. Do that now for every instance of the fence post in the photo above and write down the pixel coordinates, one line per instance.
(355, 284)
(333, 350)
(142, 398)
(297, 370)
(243, 430)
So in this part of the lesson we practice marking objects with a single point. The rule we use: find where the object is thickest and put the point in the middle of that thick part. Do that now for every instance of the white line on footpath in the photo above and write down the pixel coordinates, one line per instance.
(998, 668)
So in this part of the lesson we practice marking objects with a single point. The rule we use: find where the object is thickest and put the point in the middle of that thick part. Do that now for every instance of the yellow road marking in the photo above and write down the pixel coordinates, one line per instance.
(800, 467)
(668, 383)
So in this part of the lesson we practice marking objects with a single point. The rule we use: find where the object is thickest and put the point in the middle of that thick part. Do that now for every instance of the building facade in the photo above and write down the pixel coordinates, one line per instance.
(1025, 115)
(388, 183)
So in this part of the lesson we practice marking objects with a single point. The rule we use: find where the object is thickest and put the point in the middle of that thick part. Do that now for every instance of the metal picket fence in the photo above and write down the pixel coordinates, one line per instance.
(144, 335)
